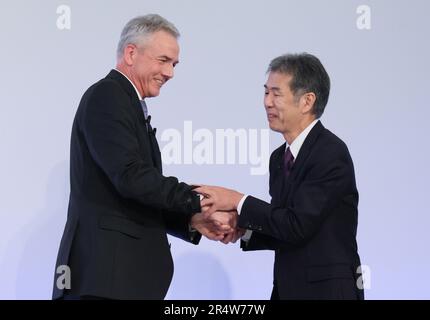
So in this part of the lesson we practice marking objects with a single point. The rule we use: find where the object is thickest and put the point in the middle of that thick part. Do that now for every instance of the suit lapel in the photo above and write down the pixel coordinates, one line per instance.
(128, 87)
(156, 154)
(277, 175)
(301, 158)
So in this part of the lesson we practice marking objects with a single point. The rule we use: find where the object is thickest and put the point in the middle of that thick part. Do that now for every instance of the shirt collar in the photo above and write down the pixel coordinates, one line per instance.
(137, 91)
(298, 142)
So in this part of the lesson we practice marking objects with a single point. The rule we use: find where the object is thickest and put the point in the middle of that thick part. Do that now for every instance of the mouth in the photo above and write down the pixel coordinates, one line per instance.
(160, 82)
(271, 116)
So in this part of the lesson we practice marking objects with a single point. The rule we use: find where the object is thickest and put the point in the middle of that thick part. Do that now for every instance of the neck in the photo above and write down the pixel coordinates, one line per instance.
(291, 135)
(126, 70)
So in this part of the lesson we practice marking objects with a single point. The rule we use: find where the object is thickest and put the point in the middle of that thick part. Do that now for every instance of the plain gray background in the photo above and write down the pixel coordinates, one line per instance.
(378, 106)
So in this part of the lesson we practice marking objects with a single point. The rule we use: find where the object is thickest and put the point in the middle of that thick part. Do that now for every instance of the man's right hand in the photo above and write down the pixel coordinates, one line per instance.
(218, 199)
(214, 227)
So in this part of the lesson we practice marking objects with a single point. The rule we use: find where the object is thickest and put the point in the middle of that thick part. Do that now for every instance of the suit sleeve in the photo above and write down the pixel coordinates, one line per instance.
(177, 225)
(109, 128)
(323, 186)
(259, 241)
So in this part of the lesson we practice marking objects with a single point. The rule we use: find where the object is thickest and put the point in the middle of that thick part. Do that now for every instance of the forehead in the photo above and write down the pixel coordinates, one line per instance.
(162, 43)
(278, 80)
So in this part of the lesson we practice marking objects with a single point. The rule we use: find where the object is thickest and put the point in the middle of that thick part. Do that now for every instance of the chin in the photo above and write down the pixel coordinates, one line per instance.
(273, 128)
(154, 93)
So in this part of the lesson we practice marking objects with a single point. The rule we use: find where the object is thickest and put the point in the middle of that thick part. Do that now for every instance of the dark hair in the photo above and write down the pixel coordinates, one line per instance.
(308, 75)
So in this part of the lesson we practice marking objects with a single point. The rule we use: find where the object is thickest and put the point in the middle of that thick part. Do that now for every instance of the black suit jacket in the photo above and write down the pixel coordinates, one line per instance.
(120, 204)
(311, 222)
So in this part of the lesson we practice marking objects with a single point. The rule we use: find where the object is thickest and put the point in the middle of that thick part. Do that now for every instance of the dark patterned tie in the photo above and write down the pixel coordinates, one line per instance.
(288, 162)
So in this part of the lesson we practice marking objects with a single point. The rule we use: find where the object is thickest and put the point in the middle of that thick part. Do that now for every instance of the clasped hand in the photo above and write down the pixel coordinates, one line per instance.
(218, 219)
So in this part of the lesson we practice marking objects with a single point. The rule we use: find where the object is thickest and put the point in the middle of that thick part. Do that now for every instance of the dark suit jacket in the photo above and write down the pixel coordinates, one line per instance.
(311, 222)
(120, 204)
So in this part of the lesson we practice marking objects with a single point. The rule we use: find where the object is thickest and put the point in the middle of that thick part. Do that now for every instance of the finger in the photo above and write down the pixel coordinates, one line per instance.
(225, 239)
(220, 225)
(202, 190)
(208, 212)
(205, 208)
(228, 238)
(225, 228)
(212, 233)
(207, 202)
(218, 237)
(221, 221)
(236, 237)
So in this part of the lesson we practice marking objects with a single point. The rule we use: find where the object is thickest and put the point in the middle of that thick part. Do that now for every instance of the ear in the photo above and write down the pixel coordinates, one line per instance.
(130, 54)
(307, 102)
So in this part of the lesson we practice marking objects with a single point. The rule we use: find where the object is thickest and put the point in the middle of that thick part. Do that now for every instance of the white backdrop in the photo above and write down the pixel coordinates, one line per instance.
(377, 57)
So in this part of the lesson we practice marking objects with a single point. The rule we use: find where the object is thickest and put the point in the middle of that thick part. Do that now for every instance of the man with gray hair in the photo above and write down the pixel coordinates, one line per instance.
(311, 221)
(114, 244)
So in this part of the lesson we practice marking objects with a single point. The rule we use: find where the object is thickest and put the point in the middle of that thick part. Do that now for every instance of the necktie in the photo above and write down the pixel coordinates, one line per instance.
(144, 108)
(156, 156)
(288, 162)
(147, 117)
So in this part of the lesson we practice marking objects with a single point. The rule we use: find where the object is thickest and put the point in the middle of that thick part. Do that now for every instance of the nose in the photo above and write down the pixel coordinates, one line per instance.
(168, 71)
(268, 101)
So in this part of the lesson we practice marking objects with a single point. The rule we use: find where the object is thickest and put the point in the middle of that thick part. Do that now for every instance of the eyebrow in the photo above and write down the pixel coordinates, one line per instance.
(170, 59)
(272, 88)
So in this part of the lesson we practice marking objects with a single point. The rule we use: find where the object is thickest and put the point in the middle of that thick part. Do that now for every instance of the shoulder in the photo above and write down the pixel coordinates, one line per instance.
(330, 147)
(105, 89)
(105, 98)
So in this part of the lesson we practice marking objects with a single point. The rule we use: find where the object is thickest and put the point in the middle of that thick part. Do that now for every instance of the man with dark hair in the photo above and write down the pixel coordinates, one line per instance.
(311, 221)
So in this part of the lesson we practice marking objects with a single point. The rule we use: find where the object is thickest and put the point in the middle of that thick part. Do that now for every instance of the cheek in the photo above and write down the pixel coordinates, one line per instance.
(281, 113)
(285, 109)
(284, 117)
(144, 71)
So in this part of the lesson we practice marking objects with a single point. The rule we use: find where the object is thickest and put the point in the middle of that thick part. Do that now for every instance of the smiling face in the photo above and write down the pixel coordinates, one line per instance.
(282, 107)
(151, 65)
(287, 113)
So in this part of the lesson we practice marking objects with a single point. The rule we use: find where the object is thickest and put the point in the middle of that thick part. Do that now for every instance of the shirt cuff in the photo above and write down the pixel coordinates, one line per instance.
(239, 206)
(247, 235)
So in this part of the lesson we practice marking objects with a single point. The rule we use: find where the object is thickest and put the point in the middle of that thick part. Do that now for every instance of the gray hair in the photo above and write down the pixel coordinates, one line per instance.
(138, 29)
(308, 75)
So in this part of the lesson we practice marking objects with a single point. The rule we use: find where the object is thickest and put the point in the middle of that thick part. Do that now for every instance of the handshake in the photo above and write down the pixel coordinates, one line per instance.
(218, 219)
